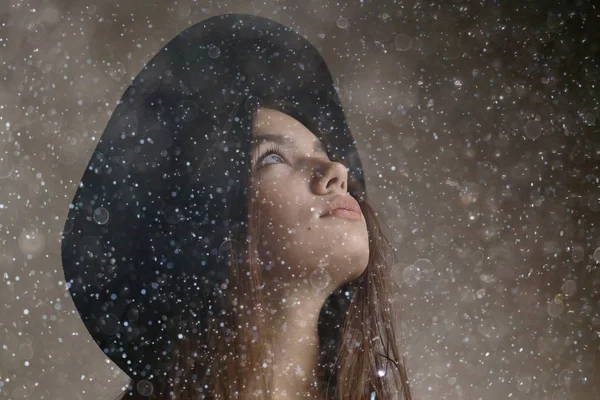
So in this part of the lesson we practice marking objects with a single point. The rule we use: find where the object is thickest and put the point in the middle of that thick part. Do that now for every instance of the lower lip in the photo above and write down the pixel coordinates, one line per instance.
(347, 214)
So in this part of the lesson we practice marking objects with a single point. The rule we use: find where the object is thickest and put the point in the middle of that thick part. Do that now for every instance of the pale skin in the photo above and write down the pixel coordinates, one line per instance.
(305, 257)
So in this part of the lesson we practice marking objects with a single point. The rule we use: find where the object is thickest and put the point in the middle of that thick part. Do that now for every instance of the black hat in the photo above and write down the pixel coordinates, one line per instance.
(165, 185)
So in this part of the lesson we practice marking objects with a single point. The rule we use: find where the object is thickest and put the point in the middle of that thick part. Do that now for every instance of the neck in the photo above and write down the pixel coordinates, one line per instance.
(294, 342)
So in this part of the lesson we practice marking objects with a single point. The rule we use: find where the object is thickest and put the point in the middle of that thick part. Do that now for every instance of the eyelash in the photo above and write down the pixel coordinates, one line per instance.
(275, 149)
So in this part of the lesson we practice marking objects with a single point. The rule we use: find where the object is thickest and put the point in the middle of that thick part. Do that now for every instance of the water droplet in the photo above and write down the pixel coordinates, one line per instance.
(400, 118)
(173, 215)
(36, 31)
(569, 288)
(425, 267)
(116, 71)
(524, 384)
(442, 235)
(145, 388)
(594, 202)
(558, 299)
(101, 215)
(426, 120)
(403, 42)
(32, 241)
(597, 255)
(6, 165)
(320, 278)
(469, 193)
(565, 377)
(109, 324)
(578, 253)
(411, 274)
(588, 117)
(225, 248)
(214, 52)
(342, 23)
(448, 160)
(26, 351)
(493, 329)
(533, 129)
(325, 125)
(555, 309)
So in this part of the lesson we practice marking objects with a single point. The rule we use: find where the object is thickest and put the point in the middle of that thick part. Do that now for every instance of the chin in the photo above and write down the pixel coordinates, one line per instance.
(352, 265)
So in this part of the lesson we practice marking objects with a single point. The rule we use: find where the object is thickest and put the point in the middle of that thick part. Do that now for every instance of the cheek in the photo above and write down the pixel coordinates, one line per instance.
(275, 209)
(277, 200)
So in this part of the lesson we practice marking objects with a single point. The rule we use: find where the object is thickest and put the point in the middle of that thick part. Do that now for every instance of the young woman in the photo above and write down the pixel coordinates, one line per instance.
(220, 244)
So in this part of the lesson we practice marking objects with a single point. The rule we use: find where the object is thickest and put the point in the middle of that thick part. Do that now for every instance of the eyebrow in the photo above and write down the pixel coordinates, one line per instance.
(318, 146)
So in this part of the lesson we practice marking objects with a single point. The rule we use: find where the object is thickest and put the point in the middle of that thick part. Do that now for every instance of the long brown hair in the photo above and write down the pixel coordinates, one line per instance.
(223, 357)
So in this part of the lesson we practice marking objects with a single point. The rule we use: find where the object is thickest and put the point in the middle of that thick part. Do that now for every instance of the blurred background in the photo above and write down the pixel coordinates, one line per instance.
(478, 124)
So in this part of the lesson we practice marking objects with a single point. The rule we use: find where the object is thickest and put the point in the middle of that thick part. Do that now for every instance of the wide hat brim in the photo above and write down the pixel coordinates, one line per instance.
(126, 237)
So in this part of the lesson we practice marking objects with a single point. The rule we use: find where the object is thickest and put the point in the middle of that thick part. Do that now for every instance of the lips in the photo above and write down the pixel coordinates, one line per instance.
(346, 202)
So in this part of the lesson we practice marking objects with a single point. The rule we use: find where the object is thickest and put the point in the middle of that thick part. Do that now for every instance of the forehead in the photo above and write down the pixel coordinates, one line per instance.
(275, 126)
(274, 121)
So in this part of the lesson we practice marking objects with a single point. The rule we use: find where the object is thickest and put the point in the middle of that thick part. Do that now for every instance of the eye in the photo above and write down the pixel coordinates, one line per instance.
(275, 150)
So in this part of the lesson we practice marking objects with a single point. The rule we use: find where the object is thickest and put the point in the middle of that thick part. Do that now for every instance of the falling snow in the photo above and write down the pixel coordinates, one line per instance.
(478, 129)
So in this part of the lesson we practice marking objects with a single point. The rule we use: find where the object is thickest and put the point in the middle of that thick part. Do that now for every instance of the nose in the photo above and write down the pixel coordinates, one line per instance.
(330, 176)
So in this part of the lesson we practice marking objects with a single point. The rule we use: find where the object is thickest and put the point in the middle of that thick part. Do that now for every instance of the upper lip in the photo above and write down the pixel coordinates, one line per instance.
(342, 202)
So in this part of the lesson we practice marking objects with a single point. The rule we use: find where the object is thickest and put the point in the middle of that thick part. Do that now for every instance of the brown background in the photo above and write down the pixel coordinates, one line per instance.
(478, 127)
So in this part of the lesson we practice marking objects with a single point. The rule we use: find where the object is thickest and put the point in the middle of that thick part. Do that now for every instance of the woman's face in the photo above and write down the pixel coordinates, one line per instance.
(293, 191)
